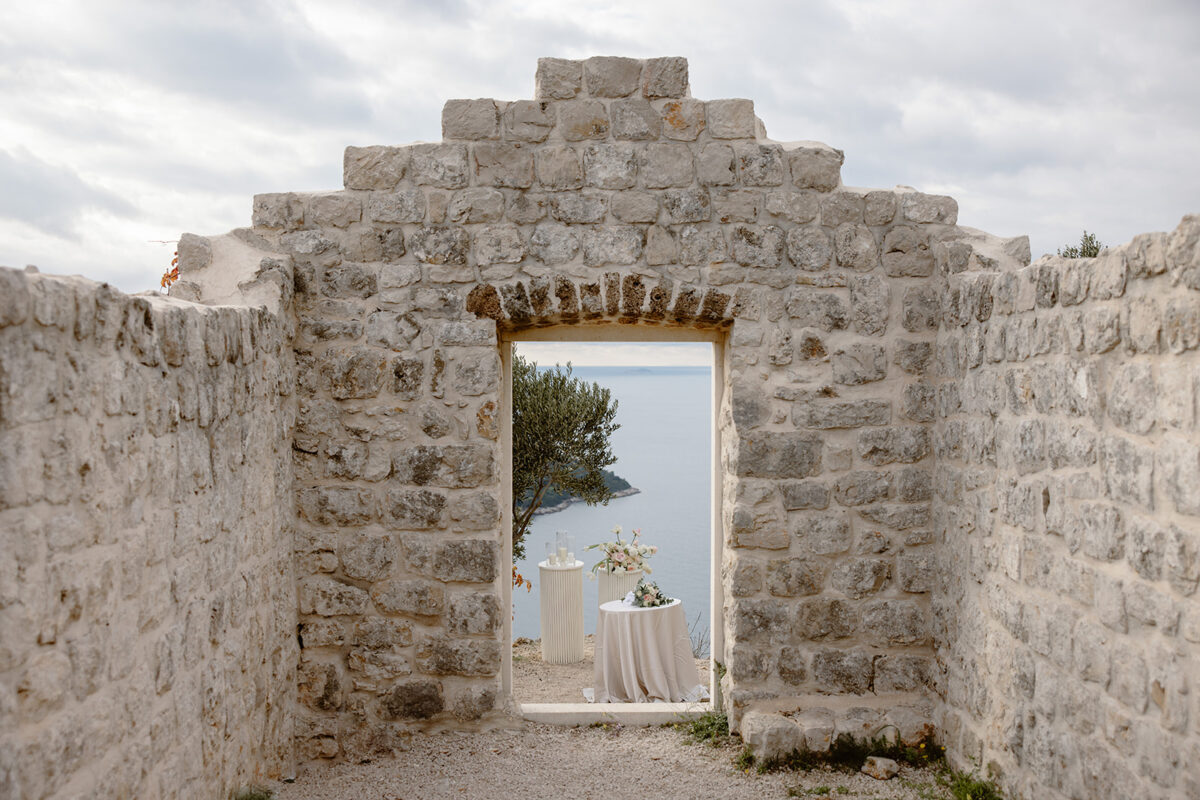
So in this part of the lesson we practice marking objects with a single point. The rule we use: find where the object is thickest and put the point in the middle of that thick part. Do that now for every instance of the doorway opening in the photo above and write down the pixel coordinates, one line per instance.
(668, 384)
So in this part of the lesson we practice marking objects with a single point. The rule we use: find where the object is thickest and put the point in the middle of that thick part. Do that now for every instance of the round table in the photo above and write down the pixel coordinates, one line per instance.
(560, 592)
(644, 655)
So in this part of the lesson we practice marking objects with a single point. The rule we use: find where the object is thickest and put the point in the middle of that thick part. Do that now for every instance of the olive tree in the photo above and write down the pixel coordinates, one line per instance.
(1089, 247)
(560, 440)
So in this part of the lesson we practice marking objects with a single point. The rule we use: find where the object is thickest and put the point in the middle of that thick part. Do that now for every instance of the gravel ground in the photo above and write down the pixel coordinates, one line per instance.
(613, 763)
(610, 762)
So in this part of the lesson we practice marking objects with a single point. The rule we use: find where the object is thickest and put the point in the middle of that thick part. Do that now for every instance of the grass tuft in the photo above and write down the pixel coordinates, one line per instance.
(711, 728)
(847, 754)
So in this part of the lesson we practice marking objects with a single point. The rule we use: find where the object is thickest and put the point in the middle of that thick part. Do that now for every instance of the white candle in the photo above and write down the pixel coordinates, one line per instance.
(562, 555)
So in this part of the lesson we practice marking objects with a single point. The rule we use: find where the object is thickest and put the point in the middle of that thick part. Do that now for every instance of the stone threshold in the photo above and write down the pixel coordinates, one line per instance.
(577, 714)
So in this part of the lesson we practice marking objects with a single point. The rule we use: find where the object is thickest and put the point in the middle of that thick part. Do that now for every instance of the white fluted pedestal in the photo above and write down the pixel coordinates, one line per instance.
(561, 596)
(615, 585)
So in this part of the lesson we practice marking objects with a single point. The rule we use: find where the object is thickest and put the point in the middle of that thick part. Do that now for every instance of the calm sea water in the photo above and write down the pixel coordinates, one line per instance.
(662, 448)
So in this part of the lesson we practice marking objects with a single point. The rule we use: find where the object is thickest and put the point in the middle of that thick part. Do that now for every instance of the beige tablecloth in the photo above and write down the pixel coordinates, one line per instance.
(644, 655)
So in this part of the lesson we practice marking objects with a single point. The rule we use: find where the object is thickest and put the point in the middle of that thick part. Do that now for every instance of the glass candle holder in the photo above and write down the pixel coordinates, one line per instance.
(560, 541)
(551, 554)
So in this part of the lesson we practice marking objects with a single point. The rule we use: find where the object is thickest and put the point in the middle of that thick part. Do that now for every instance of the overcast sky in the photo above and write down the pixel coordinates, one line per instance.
(126, 123)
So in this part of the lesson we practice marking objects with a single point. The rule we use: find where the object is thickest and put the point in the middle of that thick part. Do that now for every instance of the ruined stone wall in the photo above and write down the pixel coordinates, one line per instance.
(1068, 488)
(613, 198)
(147, 623)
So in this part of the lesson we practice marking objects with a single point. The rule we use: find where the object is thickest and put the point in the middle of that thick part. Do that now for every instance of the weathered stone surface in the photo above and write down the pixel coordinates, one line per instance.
(665, 77)
(579, 120)
(779, 455)
(558, 78)
(412, 699)
(794, 576)
(859, 363)
(419, 509)
(611, 76)
(880, 768)
(527, 121)
(849, 671)
(906, 253)
(444, 656)
(860, 577)
(440, 245)
(771, 735)
(663, 165)
(687, 205)
(612, 245)
(635, 119)
(881, 446)
(825, 414)
(327, 597)
(470, 119)
(854, 247)
(374, 167)
(730, 119)
(412, 597)
(442, 165)
(473, 614)
(553, 244)
(818, 167)
(634, 206)
(468, 560)
(684, 120)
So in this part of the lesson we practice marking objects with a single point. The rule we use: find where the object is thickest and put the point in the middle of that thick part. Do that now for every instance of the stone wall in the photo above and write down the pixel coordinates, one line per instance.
(1068, 517)
(147, 624)
(613, 198)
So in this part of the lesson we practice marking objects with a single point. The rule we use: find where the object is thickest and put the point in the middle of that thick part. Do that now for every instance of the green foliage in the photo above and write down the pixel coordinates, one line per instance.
(561, 430)
(847, 754)
(711, 728)
(745, 759)
(968, 786)
(1089, 247)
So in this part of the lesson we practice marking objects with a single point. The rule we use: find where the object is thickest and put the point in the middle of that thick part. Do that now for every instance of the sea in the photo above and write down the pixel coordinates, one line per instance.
(663, 449)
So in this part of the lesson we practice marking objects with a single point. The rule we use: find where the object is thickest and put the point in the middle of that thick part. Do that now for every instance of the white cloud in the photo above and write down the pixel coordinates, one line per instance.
(146, 120)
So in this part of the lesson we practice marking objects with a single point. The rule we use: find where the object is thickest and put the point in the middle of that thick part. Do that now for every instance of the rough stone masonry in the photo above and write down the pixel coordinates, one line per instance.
(961, 492)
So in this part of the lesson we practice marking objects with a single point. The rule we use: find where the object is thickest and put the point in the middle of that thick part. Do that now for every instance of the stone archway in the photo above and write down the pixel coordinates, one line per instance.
(613, 197)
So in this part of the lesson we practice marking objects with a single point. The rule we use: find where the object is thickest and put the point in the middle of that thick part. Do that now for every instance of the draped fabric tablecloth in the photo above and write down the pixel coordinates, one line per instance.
(644, 655)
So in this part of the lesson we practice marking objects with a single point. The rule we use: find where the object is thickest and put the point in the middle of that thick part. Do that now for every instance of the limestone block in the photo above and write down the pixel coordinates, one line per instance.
(612, 245)
(442, 165)
(634, 206)
(687, 205)
(760, 164)
(701, 245)
(779, 455)
(334, 505)
(558, 168)
(468, 560)
(527, 121)
(327, 597)
(824, 415)
(793, 577)
(824, 618)
(822, 310)
(1181, 324)
(797, 207)
(804, 494)
(1129, 472)
(499, 244)
(906, 252)
(321, 686)
(558, 78)
(553, 244)
(855, 247)
(665, 77)
(473, 702)
(611, 76)
(880, 209)
(470, 119)
(440, 244)
(895, 623)
(745, 579)
(902, 673)
(880, 768)
(610, 166)
(755, 620)
(730, 119)
(922, 208)
(405, 205)
(920, 309)
(860, 577)
(850, 671)
(444, 656)
(378, 167)
(279, 210)
(503, 164)
(473, 205)
(1132, 469)
(859, 363)
(816, 167)
(683, 120)
(771, 735)
(634, 119)
(870, 299)
(587, 207)
(666, 164)
(415, 509)
(477, 613)
(579, 120)
(406, 377)
(412, 597)
(365, 556)
(809, 249)
(880, 446)
(413, 699)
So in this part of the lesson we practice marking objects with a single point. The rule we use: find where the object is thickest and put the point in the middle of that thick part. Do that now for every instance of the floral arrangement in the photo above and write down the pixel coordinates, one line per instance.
(622, 556)
(648, 595)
